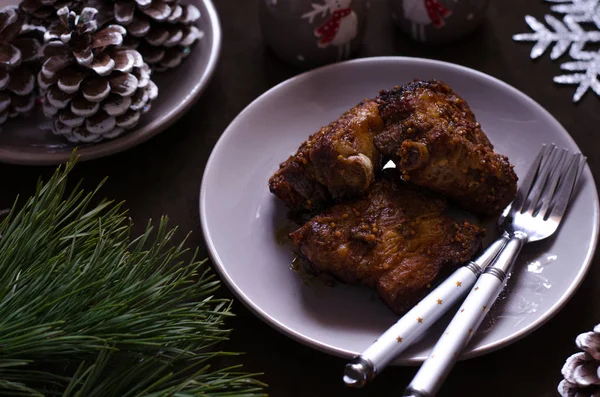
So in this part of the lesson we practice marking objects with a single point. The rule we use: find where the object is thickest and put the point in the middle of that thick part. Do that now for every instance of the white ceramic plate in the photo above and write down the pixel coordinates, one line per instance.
(241, 218)
(23, 141)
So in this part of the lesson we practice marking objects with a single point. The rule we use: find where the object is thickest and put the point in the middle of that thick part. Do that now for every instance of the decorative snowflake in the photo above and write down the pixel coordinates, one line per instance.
(568, 34)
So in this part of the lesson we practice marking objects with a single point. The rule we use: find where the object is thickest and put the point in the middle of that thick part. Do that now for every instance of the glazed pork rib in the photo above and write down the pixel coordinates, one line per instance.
(338, 161)
(432, 136)
(397, 239)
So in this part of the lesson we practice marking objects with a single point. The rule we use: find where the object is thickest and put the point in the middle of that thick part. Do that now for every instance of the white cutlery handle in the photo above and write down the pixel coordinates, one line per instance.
(423, 315)
(459, 332)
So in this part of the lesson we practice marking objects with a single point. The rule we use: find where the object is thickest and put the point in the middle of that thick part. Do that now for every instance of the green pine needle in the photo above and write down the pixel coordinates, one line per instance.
(87, 311)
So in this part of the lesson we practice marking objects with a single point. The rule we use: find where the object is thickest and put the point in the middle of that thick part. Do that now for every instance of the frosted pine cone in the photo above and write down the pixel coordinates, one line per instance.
(45, 10)
(582, 370)
(94, 88)
(18, 52)
(163, 31)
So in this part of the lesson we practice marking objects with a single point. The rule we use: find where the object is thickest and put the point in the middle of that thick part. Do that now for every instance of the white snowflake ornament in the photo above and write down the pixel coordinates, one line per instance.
(568, 34)
(581, 10)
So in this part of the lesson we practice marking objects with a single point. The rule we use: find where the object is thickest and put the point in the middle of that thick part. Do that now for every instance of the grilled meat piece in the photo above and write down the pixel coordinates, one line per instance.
(433, 137)
(338, 161)
(398, 240)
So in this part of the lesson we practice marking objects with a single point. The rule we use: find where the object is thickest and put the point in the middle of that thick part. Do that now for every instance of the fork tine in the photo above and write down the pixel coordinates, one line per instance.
(567, 185)
(525, 185)
(540, 182)
(581, 167)
(545, 158)
(555, 174)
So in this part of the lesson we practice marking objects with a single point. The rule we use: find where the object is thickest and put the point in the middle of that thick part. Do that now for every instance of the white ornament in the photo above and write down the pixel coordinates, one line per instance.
(568, 34)
(581, 10)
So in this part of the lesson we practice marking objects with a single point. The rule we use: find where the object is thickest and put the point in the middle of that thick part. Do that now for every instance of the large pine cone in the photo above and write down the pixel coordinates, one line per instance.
(162, 31)
(582, 370)
(94, 88)
(45, 10)
(18, 52)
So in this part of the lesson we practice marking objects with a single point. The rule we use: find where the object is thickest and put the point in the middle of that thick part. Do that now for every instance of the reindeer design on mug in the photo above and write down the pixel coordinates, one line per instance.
(422, 13)
(339, 29)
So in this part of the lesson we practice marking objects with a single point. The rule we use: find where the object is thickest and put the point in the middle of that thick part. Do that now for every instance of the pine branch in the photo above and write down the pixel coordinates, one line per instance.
(85, 310)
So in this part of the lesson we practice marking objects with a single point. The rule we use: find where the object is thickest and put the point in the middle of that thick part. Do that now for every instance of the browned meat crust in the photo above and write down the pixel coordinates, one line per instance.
(433, 137)
(397, 239)
(338, 161)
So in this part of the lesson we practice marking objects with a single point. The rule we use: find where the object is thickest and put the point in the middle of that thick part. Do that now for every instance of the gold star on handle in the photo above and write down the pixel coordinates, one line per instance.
(419, 320)
(459, 283)
(439, 301)
(471, 332)
(484, 308)
(399, 339)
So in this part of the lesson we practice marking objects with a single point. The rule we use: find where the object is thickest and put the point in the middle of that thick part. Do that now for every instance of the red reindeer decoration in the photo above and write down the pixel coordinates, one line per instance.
(422, 13)
(339, 29)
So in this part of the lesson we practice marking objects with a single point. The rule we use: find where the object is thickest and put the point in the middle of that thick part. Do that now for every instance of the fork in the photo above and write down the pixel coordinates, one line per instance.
(534, 214)
(402, 334)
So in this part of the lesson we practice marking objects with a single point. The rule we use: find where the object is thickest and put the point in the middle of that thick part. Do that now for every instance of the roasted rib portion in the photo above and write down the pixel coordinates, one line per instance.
(397, 239)
(432, 136)
(338, 161)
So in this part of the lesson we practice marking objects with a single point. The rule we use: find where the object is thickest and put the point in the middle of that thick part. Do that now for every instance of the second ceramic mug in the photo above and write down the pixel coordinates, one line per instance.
(309, 33)
(438, 20)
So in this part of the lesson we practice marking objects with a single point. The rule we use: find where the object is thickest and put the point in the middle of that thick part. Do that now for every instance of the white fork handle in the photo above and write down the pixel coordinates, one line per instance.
(423, 315)
(459, 332)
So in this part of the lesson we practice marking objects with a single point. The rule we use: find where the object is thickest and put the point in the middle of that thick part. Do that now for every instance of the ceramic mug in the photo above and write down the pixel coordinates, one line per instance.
(309, 33)
(438, 20)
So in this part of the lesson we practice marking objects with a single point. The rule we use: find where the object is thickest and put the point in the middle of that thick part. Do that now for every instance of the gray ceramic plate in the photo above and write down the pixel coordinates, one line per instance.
(243, 222)
(26, 142)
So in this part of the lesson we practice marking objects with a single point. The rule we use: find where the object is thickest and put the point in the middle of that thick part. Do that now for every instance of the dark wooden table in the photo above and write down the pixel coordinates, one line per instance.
(163, 176)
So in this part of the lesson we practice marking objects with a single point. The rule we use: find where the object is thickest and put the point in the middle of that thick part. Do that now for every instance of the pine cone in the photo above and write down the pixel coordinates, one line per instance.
(94, 88)
(582, 370)
(18, 53)
(162, 31)
(45, 10)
